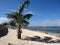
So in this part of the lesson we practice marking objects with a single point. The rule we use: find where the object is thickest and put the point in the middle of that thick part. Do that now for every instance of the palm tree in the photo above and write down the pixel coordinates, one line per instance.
(19, 18)
(4, 24)
(12, 24)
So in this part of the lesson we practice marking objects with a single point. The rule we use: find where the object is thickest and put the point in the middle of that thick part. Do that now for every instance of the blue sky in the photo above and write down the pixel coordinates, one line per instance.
(45, 12)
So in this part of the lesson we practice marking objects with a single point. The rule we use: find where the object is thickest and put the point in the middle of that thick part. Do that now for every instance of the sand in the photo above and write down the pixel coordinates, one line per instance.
(29, 37)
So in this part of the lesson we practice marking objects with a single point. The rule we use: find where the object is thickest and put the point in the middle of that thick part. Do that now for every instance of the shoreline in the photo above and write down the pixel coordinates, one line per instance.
(50, 33)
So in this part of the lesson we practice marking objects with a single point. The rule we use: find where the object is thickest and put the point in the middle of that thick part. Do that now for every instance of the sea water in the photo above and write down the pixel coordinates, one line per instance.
(51, 29)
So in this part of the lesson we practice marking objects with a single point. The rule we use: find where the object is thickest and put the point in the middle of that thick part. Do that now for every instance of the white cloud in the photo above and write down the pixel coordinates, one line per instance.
(2, 20)
(30, 12)
(13, 10)
(46, 23)
(51, 23)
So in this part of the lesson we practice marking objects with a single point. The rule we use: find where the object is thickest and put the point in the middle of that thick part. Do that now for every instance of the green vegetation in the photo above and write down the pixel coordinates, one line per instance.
(18, 19)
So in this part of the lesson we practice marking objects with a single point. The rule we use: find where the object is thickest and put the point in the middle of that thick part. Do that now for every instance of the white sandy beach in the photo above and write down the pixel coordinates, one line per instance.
(29, 37)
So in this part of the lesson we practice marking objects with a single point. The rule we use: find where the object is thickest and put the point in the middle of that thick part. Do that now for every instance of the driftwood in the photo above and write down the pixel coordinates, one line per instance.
(3, 30)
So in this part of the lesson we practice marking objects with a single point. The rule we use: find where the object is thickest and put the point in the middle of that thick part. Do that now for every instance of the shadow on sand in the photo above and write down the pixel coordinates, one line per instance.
(39, 39)
(3, 32)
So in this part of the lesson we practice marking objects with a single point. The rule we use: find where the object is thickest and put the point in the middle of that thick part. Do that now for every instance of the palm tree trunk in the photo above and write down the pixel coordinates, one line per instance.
(19, 32)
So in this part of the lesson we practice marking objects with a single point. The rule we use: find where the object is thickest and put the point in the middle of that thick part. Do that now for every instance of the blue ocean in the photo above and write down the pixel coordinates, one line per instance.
(51, 29)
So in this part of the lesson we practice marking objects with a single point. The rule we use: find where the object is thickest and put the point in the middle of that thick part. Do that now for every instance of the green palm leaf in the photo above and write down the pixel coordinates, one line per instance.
(11, 16)
(27, 16)
(26, 3)
(26, 22)
(4, 24)
(12, 23)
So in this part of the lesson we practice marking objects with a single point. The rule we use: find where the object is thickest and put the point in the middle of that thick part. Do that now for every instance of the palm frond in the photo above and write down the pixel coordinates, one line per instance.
(27, 16)
(5, 23)
(10, 16)
(26, 22)
(26, 3)
(12, 23)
